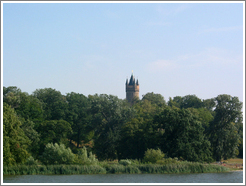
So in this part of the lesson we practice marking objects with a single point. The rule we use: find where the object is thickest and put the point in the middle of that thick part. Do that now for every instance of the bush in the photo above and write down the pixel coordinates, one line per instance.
(57, 154)
(125, 162)
(135, 162)
(31, 161)
(83, 159)
(167, 161)
(152, 155)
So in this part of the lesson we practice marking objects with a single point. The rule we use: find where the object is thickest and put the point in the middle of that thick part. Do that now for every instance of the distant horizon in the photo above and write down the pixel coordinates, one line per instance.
(174, 49)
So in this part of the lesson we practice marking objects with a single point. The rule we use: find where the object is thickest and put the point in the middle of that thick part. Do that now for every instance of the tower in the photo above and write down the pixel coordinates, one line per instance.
(132, 89)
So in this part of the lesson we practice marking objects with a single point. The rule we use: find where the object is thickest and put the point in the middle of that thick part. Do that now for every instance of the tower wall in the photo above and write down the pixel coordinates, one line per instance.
(132, 90)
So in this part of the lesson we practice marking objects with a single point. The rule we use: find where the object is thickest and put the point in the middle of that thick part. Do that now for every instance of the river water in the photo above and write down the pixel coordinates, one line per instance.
(229, 177)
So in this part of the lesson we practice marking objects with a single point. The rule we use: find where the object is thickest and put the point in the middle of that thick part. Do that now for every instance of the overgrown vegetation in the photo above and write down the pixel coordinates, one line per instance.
(115, 168)
(85, 132)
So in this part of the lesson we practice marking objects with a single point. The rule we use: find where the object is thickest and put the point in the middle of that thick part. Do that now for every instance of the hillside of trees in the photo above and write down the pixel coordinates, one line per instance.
(187, 128)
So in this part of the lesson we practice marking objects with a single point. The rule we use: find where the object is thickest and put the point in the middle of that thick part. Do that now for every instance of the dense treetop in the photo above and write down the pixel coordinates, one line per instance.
(188, 127)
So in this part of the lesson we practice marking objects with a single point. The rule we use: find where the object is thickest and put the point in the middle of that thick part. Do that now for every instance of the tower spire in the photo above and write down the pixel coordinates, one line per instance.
(132, 89)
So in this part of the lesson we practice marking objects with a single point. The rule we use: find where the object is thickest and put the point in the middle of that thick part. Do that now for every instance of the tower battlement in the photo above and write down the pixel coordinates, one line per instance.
(132, 89)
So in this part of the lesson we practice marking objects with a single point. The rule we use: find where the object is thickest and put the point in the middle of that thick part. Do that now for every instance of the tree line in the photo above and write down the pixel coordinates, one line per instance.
(187, 128)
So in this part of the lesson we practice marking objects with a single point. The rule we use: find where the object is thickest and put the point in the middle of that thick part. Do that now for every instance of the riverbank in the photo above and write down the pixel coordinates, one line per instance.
(232, 164)
(182, 167)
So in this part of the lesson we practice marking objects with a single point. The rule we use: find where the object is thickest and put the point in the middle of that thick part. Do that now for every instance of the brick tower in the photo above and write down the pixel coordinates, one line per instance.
(132, 89)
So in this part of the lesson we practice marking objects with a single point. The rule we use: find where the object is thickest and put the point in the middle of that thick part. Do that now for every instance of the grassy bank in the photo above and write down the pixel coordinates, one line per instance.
(233, 164)
(53, 169)
(184, 167)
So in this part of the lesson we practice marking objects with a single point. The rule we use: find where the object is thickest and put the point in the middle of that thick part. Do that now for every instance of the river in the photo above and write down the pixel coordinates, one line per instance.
(228, 177)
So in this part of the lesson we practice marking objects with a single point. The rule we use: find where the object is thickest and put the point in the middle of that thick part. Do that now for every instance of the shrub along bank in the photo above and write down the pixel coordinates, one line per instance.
(182, 167)
(153, 162)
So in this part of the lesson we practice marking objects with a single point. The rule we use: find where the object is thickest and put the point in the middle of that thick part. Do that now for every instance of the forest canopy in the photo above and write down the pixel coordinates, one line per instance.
(187, 128)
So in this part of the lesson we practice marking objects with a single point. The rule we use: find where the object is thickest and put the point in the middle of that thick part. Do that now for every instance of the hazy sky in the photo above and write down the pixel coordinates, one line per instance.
(174, 49)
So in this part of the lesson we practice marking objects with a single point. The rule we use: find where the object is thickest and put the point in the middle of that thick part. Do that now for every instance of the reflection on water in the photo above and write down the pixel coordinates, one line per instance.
(229, 177)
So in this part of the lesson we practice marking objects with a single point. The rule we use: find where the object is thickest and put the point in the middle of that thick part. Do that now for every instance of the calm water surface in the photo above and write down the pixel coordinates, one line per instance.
(229, 177)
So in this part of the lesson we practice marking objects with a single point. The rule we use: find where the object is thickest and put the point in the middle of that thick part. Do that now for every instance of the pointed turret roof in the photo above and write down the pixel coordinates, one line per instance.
(132, 80)
(126, 81)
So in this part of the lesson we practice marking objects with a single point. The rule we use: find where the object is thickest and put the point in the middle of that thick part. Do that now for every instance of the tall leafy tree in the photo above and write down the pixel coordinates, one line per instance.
(54, 131)
(109, 113)
(140, 133)
(188, 101)
(15, 142)
(183, 135)
(204, 116)
(209, 104)
(29, 130)
(175, 102)
(78, 115)
(54, 103)
(156, 99)
(224, 135)
(26, 106)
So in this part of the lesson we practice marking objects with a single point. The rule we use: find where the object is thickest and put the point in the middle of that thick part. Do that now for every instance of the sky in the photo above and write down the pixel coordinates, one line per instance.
(173, 49)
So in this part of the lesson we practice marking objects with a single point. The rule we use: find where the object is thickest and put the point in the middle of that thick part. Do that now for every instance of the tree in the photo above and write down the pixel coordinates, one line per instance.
(15, 142)
(209, 104)
(187, 101)
(152, 155)
(11, 96)
(82, 157)
(54, 103)
(26, 106)
(175, 102)
(34, 137)
(57, 154)
(54, 131)
(78, 115)
(140, 133)
(156, 99)
(204, 116)
(133, 143)
(223, 130)
(183, 135)
(109, 113)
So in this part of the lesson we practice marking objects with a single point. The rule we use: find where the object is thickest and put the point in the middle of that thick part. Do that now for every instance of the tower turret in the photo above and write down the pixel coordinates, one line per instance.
(132, 89)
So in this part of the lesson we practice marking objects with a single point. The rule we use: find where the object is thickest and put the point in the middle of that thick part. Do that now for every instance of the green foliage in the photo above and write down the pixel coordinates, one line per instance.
(54, 103)
(78, 114)
(109, 113)
(34, 137)
(188, 128)
(155, 99)
(11, 96)
(57, 154)
(223, 131)
(82, 157)
(31, 161)
(141, 132)
(152, 155)
(167, 161)
(55, 131)
(14, 141)
(26, 106)
(53, 169)
(183, 135)
(118, 168)
(187, 101)
(182, 167)
(125, 162)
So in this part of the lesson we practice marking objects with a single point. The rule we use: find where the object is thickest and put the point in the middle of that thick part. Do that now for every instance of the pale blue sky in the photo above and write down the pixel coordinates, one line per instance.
(173, 49)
